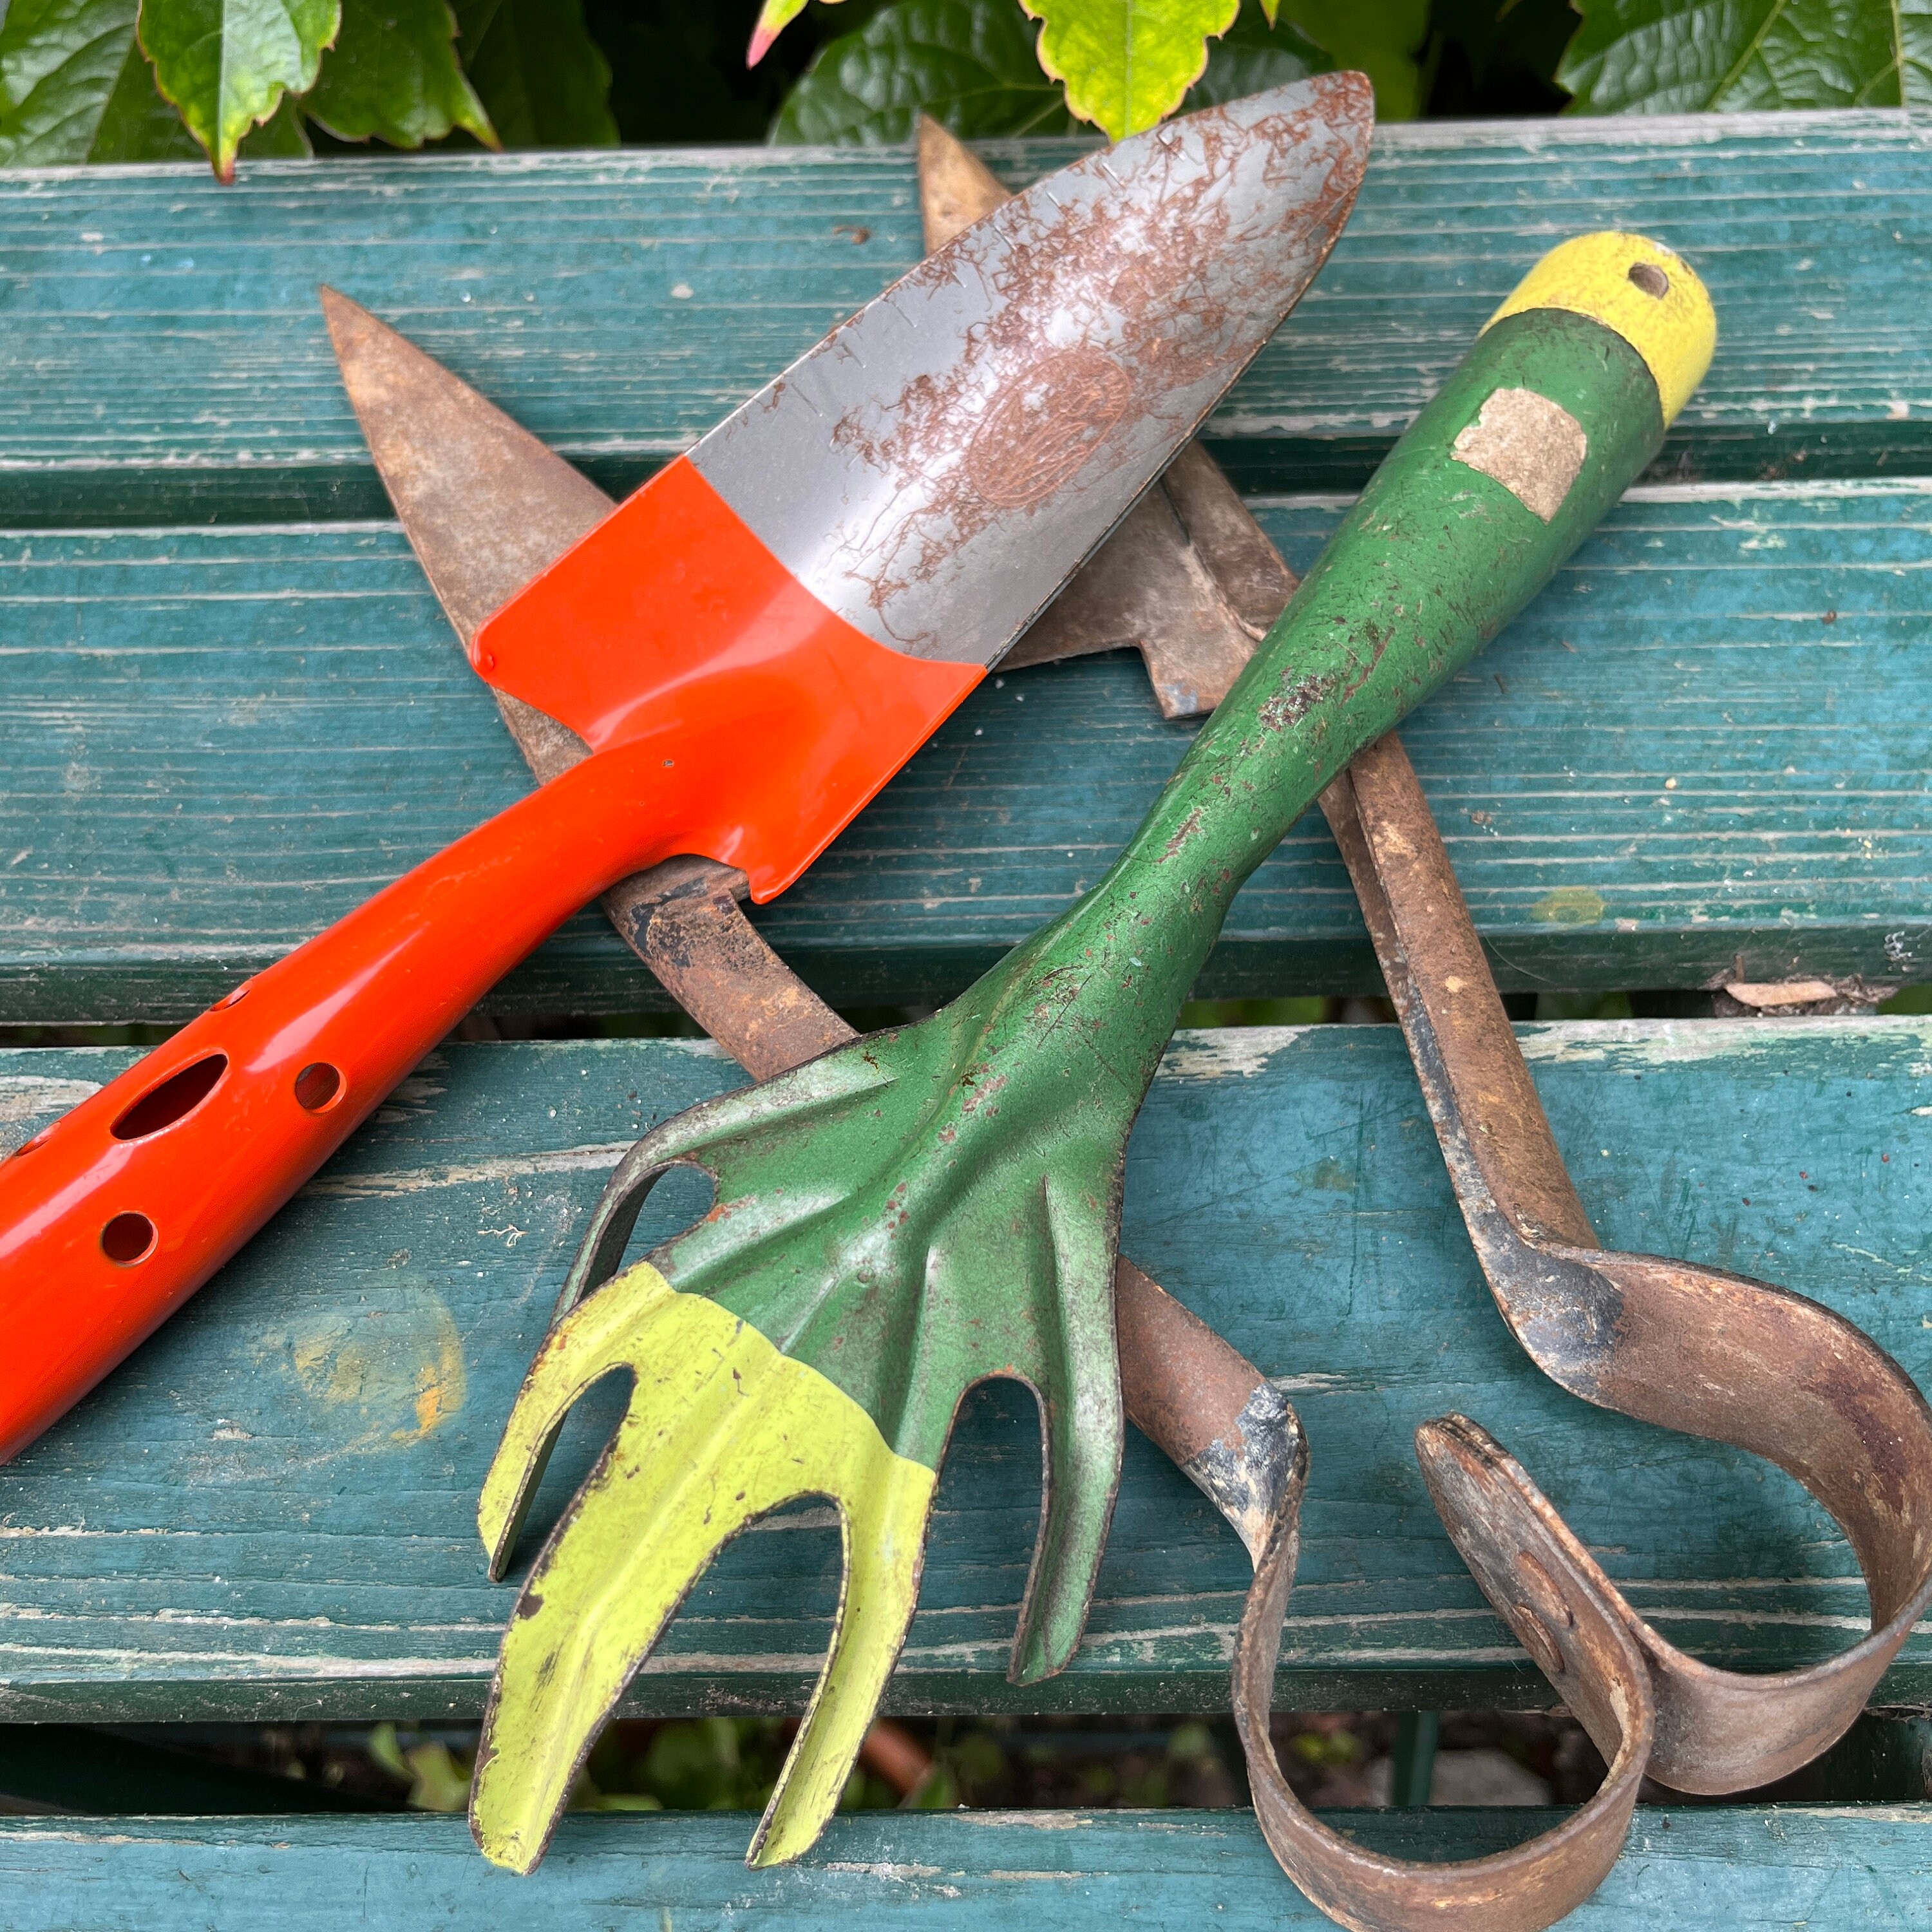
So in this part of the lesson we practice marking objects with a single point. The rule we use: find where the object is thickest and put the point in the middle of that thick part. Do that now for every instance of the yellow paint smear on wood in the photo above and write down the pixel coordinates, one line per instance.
(372, 1378)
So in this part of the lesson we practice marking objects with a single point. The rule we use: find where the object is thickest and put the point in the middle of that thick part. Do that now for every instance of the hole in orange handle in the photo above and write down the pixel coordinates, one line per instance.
(28, 1147)
(317, 1085)
(179, 1094)
(127, 1238)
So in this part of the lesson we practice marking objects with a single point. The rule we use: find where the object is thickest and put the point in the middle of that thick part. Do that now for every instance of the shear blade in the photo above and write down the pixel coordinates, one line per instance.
(935, 468)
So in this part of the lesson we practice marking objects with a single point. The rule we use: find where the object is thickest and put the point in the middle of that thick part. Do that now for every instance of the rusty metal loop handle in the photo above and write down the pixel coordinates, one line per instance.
(1541, 1582)
(1690, 1348)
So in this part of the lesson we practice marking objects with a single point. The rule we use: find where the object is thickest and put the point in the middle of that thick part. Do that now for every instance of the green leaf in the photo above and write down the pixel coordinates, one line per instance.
(283, 136)
(138, 125)
(1732, 56)
(393, 74)
(1382, 38)
(969, 64)
(226, 64)
(538, 73)
(1252, 57)
(73, 87)
(1126, 64)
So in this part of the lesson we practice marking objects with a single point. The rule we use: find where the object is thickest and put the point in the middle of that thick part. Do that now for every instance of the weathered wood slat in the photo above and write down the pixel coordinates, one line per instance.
(269, 1511)
(163, 357)
(1725, 1870)
(1705, 747)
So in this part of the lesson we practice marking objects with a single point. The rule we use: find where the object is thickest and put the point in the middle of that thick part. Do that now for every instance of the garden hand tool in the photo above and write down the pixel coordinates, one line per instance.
(1188, 1390)
(750, 646)
(911, 1214)
(1691, 1348)
(433, 438)
(1193, 1393)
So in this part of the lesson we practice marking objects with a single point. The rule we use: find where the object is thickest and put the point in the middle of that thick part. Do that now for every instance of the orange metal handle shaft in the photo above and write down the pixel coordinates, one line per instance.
(120, 1211)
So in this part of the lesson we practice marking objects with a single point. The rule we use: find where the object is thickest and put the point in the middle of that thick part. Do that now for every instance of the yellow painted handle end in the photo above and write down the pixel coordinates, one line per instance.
(1650, 296)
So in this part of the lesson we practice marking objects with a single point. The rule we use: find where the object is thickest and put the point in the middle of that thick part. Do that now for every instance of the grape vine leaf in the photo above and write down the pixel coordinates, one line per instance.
(969, 64)
(75, 87)
(538, 73)
(283, 136)
(226, 64)
(1128, 64)
(393, 75)
(1733, 56)
(137, 124)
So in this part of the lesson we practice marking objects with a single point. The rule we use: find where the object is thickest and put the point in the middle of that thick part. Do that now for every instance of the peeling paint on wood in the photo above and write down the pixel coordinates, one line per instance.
(165, 356)
(255, 1516)
(1830, 1868)
(1673, 770)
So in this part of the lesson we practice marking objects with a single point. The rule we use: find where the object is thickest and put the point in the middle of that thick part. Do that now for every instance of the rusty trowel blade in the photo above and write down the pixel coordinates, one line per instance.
(935, 468)
(1189, 579)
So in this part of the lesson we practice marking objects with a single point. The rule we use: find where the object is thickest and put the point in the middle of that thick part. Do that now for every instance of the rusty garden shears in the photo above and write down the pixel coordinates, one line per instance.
(1236, 1436)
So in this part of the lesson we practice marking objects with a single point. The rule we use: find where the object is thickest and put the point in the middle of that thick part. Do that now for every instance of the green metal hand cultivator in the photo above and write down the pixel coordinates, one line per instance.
(926, 1208)
(899, 1217)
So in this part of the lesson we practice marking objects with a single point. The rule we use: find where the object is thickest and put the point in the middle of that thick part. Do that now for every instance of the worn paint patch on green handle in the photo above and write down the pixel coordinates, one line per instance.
(929, 1207)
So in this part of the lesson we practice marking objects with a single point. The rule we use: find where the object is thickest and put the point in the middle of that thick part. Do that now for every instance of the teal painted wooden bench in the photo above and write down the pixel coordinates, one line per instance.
(1155, 1871)
(229, 709)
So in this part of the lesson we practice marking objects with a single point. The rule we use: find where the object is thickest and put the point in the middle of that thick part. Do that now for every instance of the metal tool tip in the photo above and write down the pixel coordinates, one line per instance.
(955, 187)
(1349, 93)
(353, 332)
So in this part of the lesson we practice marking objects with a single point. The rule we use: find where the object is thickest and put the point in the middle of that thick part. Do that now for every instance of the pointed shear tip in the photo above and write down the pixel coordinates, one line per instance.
(351, 328)
(335, 303)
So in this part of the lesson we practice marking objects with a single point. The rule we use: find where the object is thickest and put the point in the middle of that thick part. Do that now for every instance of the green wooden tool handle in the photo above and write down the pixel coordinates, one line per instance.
(1559, 407)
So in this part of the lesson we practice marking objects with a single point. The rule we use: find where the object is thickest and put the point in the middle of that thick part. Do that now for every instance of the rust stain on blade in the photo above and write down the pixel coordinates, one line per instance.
(1189, 580)
(933, 468)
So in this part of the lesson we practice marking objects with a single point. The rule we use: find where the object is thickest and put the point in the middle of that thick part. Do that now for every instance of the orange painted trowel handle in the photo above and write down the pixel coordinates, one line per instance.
(734, 717)
(114, 1216)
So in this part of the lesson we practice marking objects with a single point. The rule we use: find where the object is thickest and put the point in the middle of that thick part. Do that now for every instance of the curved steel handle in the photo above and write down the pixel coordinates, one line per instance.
(1537, 1577)
(1692, 1348)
